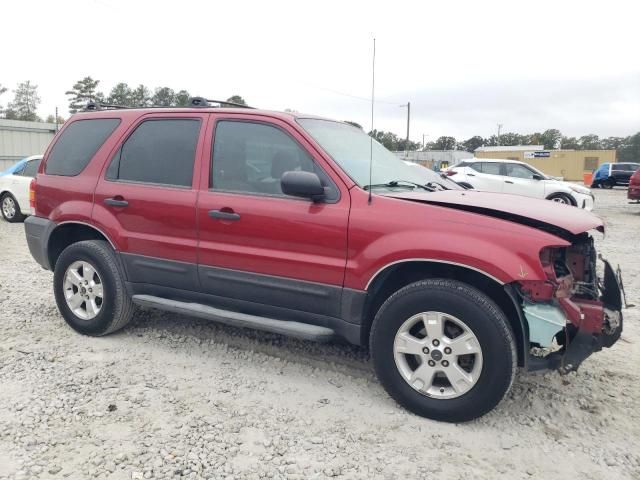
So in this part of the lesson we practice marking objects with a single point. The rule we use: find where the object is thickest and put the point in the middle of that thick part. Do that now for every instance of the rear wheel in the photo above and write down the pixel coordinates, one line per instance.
(443, 350)
(10, 208)
(90, 290)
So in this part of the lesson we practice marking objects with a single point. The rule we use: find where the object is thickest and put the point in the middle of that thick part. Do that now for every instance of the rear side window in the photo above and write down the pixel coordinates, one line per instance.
(158, 151)
(78, 144)
(31, 168)
(490, 168)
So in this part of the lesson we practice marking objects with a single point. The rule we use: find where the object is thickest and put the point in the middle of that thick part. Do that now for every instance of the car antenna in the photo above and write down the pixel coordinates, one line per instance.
(373, 89)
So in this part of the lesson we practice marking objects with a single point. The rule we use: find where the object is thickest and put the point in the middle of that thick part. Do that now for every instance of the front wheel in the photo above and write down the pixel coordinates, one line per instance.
(89, 289)
(560, 198)
(443, 350)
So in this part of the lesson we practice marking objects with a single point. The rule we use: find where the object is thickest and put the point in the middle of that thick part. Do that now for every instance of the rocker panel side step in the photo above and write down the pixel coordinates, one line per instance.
(299, 330)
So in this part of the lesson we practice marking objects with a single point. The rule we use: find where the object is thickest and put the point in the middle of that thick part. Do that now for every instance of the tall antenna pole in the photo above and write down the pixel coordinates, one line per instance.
(408, 119)
(373, 90)
(499, 128)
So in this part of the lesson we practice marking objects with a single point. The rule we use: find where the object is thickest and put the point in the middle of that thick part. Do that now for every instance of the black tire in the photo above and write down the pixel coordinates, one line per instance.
(18, 216)
(116, 307)
(561, 198)
(609, 184)
(487, 322)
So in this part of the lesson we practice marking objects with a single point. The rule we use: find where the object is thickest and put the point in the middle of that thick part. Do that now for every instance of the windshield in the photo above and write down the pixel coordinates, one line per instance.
(351, 148)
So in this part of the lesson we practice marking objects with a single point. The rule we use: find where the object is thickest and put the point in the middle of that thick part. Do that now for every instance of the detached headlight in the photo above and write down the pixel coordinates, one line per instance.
(579, 189)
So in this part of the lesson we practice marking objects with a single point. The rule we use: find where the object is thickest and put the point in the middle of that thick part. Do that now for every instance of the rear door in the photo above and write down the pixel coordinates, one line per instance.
(145, 198)
(257, 245)
(519, 180)
(486, 176)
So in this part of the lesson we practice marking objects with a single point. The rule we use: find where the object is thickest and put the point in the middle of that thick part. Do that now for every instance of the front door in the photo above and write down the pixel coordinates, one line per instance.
(145, 199)
(521, 180)
(258, 246)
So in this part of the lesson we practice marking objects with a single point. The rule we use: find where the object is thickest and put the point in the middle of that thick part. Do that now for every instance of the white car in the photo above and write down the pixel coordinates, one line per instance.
(519, 178)
(14, 188)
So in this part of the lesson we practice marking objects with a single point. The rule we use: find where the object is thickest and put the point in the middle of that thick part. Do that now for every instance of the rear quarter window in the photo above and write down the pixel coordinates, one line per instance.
(78, 144)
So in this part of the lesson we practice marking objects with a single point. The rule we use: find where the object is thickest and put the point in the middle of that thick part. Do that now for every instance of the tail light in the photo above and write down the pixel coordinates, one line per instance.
(32, 196)
(450, 173)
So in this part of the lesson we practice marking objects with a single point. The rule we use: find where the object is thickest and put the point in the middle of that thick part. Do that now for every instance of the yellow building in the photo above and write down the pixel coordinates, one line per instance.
(569, 164)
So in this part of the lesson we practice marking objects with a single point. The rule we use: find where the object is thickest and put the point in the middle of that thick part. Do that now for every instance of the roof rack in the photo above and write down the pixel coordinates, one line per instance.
(204, 102)
(197, 102)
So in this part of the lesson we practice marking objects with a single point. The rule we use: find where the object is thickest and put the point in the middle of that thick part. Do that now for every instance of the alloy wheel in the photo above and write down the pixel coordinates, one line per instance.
(9, 207)
(83, 290)
(438, 355)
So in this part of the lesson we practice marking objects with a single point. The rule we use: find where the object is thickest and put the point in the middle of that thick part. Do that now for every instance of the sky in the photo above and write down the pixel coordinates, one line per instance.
(465, 66)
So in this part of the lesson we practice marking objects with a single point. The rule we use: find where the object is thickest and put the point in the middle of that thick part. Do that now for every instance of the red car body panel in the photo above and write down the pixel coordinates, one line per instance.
(391, 230)
(634, 186)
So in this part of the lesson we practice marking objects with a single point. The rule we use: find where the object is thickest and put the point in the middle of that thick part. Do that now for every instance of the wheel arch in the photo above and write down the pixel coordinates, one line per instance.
(67, 233)
(395, 276)
(559, 193)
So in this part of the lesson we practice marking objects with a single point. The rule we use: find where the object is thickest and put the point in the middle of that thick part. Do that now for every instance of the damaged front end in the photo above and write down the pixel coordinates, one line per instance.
(574, 305)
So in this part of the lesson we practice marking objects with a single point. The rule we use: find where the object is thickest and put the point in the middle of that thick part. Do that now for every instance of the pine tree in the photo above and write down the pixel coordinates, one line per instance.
(82, 92)
(25, 102)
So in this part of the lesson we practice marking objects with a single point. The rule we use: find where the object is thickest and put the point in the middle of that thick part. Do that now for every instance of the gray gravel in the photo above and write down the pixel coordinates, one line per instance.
(172, 397)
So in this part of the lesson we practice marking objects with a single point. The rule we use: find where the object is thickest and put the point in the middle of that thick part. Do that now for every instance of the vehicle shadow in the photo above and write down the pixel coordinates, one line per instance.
(527, 398)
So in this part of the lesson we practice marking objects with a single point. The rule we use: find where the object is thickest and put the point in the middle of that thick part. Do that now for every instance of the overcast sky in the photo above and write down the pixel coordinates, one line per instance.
(464, 66)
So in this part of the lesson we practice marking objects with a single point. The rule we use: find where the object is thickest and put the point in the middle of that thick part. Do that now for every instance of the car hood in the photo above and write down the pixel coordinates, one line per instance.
(562, 220)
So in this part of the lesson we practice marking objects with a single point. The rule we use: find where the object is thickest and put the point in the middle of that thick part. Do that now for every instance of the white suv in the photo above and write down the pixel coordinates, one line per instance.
(510, 176)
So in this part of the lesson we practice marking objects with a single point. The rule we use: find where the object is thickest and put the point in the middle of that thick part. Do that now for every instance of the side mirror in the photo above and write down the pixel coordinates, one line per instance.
(302, 184)
(537, 177)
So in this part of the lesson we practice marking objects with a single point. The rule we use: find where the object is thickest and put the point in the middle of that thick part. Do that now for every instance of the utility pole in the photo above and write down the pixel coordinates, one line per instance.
(408, 105)
(56, 119)
(499, 128)
(424, 145)
(408, 119)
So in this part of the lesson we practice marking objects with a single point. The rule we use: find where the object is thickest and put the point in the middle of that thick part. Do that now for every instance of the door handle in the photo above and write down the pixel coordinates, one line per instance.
(508, 181)
(471, 174)
(116, 202)
(222, 215)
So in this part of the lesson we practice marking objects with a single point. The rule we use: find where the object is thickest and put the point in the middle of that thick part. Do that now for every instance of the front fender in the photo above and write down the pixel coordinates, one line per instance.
(503, 250)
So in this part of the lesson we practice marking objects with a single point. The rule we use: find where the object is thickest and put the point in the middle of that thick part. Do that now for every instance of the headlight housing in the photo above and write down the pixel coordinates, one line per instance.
(579, 189)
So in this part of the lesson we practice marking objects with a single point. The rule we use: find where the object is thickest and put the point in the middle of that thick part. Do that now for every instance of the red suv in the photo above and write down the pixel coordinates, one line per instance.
(634, 187)
(307, 227)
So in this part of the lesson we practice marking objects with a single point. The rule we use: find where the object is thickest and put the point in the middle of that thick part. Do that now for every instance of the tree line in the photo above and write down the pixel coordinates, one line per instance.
(26, 100)
(628, 148)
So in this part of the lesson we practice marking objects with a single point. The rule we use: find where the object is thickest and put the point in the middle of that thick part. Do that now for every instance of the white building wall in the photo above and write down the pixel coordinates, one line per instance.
(20, 139)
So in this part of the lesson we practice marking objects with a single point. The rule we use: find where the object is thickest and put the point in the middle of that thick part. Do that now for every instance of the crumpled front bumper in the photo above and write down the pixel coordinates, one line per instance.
(579, 339)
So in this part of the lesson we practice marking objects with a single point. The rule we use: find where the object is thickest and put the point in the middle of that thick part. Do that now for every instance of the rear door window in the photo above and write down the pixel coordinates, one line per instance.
(490, 168)
(78, 144)
(159, 152)
(31, 168)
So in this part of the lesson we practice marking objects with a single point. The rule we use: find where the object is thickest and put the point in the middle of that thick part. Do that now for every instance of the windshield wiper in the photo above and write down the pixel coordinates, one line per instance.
(400, 183)
(436, 185)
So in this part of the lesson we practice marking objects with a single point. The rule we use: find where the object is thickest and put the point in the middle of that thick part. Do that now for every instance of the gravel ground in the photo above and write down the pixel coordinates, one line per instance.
(173, 397)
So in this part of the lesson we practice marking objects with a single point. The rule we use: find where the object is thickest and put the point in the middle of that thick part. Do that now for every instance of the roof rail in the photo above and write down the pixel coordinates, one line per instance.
(197, 102)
